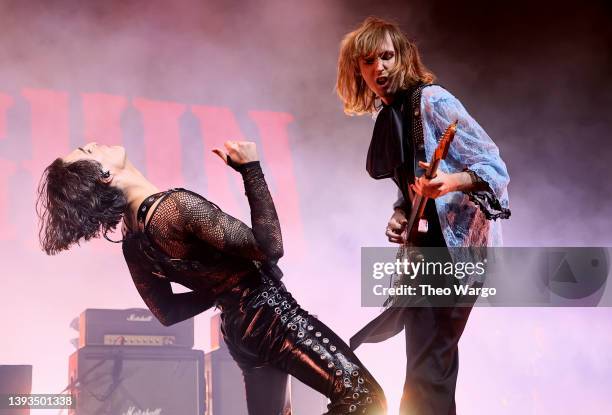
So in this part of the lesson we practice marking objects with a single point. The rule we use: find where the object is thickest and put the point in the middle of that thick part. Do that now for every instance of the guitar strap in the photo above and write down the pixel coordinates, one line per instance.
(413, 144)
(414, 121)
(418, 140)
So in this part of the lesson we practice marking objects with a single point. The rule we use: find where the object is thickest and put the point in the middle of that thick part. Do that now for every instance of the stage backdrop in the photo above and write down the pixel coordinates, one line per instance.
(171, 82)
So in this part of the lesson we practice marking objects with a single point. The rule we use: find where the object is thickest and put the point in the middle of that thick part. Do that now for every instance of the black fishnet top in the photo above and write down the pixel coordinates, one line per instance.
(190, 241)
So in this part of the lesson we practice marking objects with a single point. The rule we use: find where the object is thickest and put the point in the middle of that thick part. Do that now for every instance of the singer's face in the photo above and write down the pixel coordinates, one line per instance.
(111, 157)
(375, 69)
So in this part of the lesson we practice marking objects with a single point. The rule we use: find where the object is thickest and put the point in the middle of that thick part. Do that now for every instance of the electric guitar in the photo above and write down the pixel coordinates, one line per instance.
(417, 223)
(418, 201)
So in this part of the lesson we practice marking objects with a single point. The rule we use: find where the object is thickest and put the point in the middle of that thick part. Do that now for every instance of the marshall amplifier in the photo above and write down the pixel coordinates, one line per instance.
(131, 327)
(118, 380)
(15, 380)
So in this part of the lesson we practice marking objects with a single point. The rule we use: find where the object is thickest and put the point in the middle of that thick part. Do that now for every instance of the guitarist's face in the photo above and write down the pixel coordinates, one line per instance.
(375, 69)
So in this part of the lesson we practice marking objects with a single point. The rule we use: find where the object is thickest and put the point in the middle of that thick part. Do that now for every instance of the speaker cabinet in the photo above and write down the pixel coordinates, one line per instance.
(15, 379)
(225, 394)
(127, 380)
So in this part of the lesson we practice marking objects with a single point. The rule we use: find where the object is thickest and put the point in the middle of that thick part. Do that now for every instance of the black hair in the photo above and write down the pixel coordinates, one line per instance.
(74, 203)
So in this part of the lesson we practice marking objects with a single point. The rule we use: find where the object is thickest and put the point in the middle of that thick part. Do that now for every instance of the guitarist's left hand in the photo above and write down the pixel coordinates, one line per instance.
(442, 184)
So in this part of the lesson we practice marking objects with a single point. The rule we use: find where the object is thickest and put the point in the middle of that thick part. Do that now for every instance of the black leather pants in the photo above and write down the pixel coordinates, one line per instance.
(266, 330)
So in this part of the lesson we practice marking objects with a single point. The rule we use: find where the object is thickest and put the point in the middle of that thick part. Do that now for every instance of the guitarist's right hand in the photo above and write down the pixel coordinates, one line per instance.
(396, 226)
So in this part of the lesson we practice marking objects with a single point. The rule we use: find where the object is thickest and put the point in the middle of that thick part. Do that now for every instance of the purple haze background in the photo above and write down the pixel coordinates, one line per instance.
(536, 77)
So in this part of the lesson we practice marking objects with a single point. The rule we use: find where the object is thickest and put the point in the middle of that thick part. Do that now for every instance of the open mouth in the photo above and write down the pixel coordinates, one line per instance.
(382, 80)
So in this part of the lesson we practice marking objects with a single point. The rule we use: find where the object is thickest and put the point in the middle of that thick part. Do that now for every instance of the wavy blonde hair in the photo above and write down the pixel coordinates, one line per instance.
(364, 41)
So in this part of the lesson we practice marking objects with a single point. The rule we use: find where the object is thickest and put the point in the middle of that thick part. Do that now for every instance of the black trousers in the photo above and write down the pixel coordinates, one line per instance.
(432, 354)
(432, 335)
(270, 335)
(432, 359)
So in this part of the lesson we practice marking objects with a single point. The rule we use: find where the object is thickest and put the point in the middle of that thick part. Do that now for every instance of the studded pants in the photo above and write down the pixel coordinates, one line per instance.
(268, 329)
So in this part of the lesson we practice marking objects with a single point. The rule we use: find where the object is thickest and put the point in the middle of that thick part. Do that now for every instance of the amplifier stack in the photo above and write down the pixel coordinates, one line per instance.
(128, 363)
(15, 380)
(132, 327)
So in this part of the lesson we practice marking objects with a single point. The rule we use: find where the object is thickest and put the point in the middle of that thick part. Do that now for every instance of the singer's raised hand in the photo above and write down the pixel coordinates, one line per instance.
(239, 152)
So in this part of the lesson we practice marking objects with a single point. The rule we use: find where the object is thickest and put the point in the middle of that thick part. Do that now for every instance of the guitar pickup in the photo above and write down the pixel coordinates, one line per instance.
(423, 225)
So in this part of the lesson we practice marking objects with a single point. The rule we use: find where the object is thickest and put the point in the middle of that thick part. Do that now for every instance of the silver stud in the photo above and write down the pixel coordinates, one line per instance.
(352, 408)
(332, 348)
(325, 340)
(355, 395)
(315, 348)
(338, 372)
(360, 380)
(308, 342)
(300, 334)
(318, 334)
(355, 373)
(310, 327)
(330, 365)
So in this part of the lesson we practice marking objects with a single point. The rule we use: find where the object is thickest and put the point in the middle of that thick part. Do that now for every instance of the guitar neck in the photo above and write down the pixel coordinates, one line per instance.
(416, 213)
(419, 202)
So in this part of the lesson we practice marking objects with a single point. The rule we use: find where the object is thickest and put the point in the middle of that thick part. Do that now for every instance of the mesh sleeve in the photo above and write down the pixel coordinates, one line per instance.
(169, 308)
(184, 214)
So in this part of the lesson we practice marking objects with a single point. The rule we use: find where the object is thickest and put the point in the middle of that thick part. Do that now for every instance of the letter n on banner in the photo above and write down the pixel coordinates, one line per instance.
(50, 128)
(102, 118)
(218, 125)
(50, 133)
(6, 101)
(162, 141)
(7, 168)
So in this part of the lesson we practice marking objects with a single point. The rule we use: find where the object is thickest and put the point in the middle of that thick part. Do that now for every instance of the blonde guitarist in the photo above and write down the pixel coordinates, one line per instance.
(380, 72)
